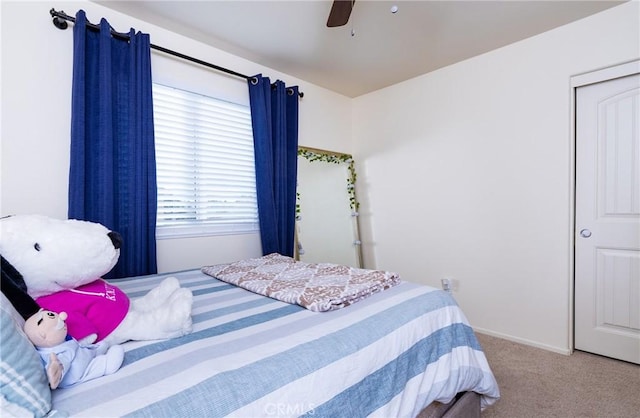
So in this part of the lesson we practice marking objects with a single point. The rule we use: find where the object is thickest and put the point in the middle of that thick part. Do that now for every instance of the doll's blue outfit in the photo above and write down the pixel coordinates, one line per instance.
(82, 363)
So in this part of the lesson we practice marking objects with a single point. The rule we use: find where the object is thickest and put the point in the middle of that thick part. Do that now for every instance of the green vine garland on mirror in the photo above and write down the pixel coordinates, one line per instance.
(312, 156)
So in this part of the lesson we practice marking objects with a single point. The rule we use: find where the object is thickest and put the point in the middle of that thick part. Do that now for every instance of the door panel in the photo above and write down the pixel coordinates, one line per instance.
(607, 271)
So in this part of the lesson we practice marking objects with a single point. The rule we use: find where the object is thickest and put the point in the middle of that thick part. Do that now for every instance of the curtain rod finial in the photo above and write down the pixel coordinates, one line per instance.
(59, 20)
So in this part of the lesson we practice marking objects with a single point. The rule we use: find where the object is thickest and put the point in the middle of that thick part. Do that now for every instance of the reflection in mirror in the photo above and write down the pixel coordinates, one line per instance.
(327, 208)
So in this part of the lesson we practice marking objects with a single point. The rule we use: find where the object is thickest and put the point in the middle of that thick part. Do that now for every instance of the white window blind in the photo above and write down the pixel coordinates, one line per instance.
(205, 165)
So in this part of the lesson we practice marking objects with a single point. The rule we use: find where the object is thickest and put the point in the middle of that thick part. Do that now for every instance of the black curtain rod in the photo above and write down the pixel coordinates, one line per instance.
(60, 21)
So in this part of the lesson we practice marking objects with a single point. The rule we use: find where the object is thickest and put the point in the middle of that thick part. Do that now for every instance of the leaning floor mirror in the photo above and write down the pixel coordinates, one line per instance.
(327, 209)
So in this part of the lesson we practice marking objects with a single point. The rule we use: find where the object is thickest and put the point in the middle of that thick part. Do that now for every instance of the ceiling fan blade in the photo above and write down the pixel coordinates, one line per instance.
(340, 12)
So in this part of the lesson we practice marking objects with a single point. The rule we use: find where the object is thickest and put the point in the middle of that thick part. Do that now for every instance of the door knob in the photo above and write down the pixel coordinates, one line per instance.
(585, 233)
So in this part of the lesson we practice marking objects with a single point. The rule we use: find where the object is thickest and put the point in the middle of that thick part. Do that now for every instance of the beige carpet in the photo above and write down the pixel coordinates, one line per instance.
(539, 383)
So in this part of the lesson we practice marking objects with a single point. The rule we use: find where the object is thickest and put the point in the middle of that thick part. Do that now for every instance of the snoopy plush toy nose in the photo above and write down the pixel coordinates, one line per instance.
(116, 239)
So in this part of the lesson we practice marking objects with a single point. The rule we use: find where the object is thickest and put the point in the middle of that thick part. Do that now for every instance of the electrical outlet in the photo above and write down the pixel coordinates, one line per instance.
(446, 284)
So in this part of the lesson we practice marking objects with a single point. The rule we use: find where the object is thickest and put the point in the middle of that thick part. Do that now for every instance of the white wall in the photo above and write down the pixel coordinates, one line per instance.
(468, 174)
(36, 102)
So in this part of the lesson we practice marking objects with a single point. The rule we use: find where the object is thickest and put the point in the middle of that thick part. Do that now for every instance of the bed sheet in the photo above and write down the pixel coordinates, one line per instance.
(251, 356)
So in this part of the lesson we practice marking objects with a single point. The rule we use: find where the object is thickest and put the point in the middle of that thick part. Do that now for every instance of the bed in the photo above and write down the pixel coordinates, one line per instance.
(406, 351)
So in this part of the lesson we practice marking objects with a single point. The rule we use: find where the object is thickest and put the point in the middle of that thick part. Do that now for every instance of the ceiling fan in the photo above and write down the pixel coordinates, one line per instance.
(340, 12)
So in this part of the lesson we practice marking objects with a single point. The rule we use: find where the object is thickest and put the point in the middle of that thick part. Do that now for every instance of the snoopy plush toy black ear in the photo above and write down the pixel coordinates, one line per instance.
(15, 290)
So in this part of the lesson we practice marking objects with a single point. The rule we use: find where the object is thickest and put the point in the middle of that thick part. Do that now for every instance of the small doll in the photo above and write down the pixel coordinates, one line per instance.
(67, 362)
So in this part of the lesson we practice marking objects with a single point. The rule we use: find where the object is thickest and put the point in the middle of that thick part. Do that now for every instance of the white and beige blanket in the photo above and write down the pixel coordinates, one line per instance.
(318, 287)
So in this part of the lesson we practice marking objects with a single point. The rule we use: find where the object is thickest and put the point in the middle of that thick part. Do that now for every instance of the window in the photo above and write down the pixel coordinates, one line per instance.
(205, 165)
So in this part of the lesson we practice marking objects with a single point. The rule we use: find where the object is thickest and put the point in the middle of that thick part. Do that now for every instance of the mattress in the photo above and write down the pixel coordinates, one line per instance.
(249, 355)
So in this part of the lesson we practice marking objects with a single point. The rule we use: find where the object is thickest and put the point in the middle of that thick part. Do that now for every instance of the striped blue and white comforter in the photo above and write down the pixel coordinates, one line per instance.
(251, 356)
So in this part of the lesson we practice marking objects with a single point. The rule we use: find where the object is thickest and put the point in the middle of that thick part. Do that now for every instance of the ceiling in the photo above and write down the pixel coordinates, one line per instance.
(377, 48)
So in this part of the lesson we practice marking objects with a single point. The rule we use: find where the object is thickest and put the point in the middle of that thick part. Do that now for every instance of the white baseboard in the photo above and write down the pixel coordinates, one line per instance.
(559, 350)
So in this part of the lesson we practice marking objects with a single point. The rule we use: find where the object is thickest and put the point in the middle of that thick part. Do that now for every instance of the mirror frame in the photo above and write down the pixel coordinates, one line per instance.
(333, 157)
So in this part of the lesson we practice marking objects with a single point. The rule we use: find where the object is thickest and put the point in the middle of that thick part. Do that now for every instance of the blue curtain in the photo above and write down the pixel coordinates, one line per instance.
(274, 117)
(112, 177)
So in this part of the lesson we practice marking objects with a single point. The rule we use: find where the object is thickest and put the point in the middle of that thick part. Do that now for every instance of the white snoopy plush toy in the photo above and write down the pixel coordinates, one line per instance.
(62, 262)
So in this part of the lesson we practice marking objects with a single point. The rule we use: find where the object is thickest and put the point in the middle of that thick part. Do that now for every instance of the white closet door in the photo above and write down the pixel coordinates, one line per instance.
(607, 270)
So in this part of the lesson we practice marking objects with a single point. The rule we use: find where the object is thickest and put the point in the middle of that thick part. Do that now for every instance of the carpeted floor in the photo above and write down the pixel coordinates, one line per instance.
(539, 383)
